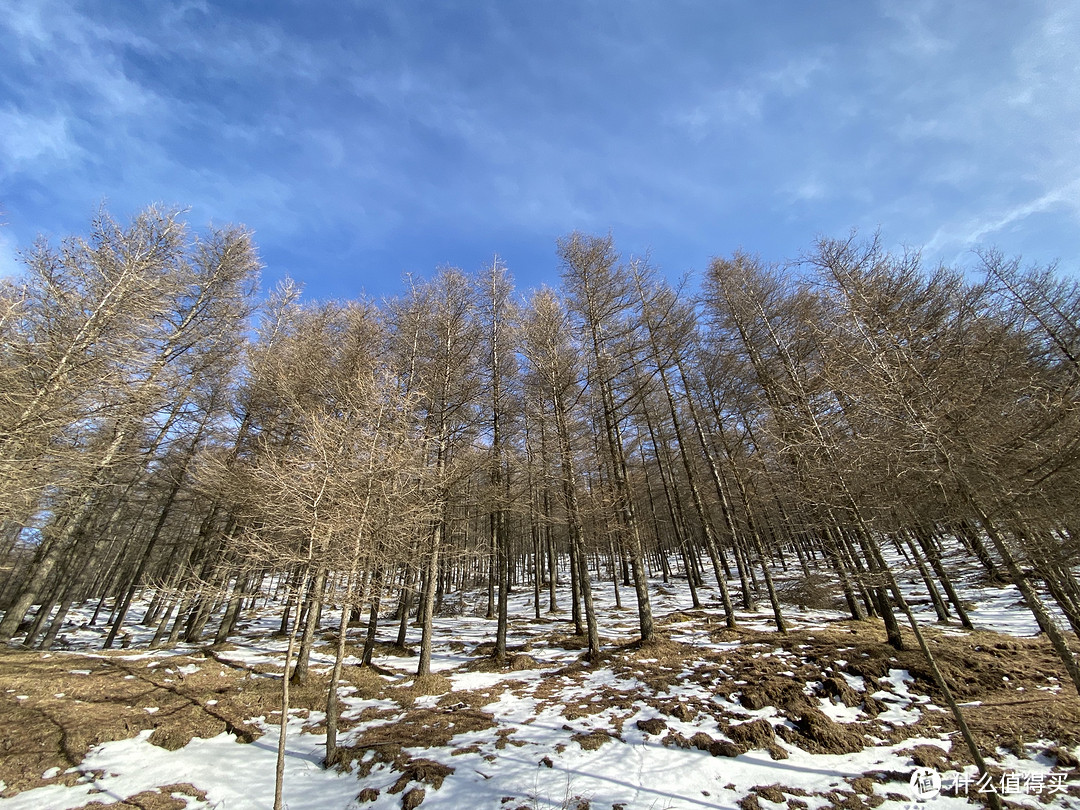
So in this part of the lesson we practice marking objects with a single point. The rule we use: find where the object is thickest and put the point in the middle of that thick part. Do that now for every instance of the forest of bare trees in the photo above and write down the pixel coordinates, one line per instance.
(177, 447)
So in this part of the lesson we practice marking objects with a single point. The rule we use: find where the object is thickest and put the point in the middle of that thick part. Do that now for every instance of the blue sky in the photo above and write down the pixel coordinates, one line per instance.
(362, 140)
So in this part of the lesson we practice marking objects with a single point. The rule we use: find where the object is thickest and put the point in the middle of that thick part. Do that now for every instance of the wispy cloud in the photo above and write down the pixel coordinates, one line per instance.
(26, 139)
(978, 230)
(741, 103)
(398, 136)
(1018, 151)
(917, 30)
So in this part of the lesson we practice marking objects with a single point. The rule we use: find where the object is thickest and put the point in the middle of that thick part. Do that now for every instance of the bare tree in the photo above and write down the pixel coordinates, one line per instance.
(436, 337)
(497, 317)
(993, 413)
(127, 307)
(552, 361)
(600, 295)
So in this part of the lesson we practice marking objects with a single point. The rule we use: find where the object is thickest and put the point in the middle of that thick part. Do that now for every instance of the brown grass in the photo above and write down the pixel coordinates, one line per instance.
(416, 728)
(421, 685)
(370, 685)
(755, 734)
(591, 740)
(653, 726)
(422, 728)
(161, 798)
(1009, 676)
(818, 734)
(514, 661)
(43, 731)
(422, 770)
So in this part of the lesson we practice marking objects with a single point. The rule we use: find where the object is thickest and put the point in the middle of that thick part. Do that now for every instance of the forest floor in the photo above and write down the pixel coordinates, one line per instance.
(825, 716)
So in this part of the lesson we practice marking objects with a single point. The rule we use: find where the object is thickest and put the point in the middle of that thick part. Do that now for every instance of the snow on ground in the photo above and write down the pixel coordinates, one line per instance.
(563, 732)
(990, 607)
(234, 775)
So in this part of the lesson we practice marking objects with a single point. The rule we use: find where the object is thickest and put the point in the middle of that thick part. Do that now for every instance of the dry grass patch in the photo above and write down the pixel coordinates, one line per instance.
(928, 756)
(1015, 724)
(591, 740)
(784, 692)
(369, 683)
(654, 726)
(422, 770)
(476, 699)
(835, 687)
(659, 664)
(1010, 676)
(1013, 679)
(516, 660)
(659, 647)
(603, 699)
(756, 734)
(566, 642)
(417, 728)
(814, 592)
(420, 686)
(63, 713)
(162, 798)
(818, 734)
(423, 728)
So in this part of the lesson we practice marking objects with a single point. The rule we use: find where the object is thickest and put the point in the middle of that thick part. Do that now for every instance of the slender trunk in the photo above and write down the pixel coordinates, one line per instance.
(939, 605)
(373, 616)
(614, 571)
(712, 542)
(427, 607)
(833, 553)
(575, 594)
(232, 611)
(587, 601)
(279, 769)
(58, 548)
(931, 552)
(314, 613)
(333, 707)
(976, 755)
(1031, 598)
(57, 623)
(144, 561)
(579, 572)
(408, 579)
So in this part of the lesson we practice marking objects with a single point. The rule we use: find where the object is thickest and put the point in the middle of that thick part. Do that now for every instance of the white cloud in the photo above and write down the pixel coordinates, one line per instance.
(473, 122)
(1020, 147)
(64, 47)
(742, 103)
(809, 189)
(26, 139)
(917, 32)
(976, 230)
